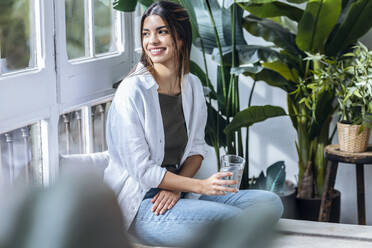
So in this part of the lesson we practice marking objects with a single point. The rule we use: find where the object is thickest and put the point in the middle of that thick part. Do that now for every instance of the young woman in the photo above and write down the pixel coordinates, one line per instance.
(155, 136)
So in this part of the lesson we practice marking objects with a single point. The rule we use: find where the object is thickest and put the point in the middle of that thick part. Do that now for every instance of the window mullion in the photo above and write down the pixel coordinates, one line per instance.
(39, 44)
(89, 24)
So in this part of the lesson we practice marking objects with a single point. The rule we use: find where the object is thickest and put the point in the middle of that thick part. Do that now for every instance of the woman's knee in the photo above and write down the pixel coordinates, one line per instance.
(269, 201)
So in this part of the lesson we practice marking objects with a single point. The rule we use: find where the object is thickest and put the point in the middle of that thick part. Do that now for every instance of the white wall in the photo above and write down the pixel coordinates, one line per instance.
(274, 140)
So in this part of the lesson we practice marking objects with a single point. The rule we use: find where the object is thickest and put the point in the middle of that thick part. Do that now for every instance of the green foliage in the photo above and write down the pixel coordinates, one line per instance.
(353, 24)
(327, 27)
(354, 73)
(130, 5)
(316, 24)
(274, 180)
(273, 9)
(253, 114)
(15, 33)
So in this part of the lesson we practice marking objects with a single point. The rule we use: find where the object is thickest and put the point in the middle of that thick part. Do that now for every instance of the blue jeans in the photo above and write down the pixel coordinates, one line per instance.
(187, 218)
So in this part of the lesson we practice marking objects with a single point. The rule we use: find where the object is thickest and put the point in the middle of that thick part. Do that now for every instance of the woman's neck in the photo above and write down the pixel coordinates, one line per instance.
(166, 77)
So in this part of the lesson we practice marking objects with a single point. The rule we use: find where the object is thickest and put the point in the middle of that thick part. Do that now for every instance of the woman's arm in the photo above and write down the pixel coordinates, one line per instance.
(191, 166)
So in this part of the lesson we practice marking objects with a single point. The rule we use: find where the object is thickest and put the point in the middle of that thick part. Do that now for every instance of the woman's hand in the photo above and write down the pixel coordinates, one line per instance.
(164, 200)
(214, 185)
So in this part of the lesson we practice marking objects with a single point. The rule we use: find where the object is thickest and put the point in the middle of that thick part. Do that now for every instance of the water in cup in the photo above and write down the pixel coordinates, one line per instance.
(234, 164)
(237, 175)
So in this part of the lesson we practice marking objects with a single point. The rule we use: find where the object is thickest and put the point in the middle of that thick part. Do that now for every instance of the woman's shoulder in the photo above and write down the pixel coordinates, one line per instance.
(195, 83)
(134, 84)
(193, 80)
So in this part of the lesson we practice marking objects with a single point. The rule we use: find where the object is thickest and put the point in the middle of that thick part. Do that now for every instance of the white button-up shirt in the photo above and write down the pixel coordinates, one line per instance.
(135, 137)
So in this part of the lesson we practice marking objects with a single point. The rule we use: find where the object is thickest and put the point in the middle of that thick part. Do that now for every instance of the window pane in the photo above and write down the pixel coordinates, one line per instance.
(103, 27)
(75, 28)
(70, 133)
(20, 156)
(99, 116)
(16, 36)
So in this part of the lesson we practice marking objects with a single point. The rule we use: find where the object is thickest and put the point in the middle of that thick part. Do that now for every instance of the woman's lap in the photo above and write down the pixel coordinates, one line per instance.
(181, 223)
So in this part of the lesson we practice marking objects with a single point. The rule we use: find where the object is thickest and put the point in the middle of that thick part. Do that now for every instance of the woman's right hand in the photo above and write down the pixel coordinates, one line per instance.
(214, 185)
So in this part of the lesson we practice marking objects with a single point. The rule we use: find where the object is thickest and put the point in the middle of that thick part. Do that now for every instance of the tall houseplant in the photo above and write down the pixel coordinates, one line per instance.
(323, 27)
(218, 31)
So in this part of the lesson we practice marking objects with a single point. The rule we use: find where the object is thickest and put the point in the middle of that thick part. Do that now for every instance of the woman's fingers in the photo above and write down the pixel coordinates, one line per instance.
(173, 202)
(220, 175)
(226, 182)
(160, 206)
(155, 197)
(225, 189)
(157, 202)
(166, 206)
(164, 201)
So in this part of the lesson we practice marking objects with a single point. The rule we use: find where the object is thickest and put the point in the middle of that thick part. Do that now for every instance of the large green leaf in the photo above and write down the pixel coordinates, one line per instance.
(129, 5)
(248, 54)
(253, 114)
(273, 9)
(222, 19)
(272, 32)
(317, 23)
(297, 1)
(125, 5)
(275, 177)
(228, 3)
(273, 78)
(356, 23)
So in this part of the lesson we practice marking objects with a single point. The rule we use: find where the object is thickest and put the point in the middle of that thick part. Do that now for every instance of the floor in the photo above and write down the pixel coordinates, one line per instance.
(308, 234)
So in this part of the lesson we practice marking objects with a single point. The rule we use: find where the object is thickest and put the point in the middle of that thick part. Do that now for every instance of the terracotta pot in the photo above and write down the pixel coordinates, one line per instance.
(350, 139)
(308, 209)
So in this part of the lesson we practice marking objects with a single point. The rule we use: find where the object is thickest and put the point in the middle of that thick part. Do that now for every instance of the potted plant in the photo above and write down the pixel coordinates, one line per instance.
(354, 96)
(321, 28)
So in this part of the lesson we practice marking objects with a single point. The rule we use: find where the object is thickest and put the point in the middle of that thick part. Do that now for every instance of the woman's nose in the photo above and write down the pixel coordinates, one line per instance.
(154, 39)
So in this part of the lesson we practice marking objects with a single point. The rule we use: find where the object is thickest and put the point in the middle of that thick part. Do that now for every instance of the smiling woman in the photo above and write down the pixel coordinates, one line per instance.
(155, 138)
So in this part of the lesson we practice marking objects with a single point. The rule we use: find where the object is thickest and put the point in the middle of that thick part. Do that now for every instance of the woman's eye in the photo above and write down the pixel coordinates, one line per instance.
(146, 34)
(164, 31)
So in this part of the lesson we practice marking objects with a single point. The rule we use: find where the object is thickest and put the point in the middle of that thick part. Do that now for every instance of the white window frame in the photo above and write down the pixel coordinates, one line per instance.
(59, 85)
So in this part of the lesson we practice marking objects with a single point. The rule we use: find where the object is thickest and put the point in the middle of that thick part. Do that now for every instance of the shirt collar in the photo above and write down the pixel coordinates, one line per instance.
(146, 77)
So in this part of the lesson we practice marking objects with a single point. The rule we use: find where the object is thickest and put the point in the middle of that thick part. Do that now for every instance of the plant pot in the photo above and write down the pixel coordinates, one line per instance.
(349, 138)
(290, 209)
(308, 209)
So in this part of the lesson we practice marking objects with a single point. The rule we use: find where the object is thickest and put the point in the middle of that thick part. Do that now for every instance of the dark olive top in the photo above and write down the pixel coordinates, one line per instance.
(174, 130)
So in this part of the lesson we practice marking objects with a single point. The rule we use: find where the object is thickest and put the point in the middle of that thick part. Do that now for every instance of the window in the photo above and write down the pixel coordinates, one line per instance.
(59, 61)
(18, 36)
(82, 40)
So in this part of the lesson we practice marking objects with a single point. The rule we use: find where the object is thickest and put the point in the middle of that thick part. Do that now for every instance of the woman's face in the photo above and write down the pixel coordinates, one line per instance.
(157, 41)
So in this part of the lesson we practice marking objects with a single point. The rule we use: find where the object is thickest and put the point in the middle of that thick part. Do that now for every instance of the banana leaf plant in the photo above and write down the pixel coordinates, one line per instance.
(218, 31)
(302, 31)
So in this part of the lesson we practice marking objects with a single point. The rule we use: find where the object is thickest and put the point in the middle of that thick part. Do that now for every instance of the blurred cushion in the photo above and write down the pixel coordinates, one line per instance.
(92, 162)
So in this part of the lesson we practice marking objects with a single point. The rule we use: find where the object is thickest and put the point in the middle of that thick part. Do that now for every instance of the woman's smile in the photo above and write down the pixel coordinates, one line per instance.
(157, 51)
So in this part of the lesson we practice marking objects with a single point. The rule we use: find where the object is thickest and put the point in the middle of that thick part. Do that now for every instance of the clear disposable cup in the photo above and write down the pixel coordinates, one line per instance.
(234, 164)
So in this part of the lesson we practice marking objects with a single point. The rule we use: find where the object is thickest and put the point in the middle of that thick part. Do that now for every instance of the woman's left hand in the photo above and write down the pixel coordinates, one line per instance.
(164, 200)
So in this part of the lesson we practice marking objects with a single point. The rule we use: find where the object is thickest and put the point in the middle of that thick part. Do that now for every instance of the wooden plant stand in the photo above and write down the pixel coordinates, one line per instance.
(334, 156)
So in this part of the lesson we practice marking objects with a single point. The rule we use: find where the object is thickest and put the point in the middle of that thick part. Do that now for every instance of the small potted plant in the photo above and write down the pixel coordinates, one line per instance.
(354, 96)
